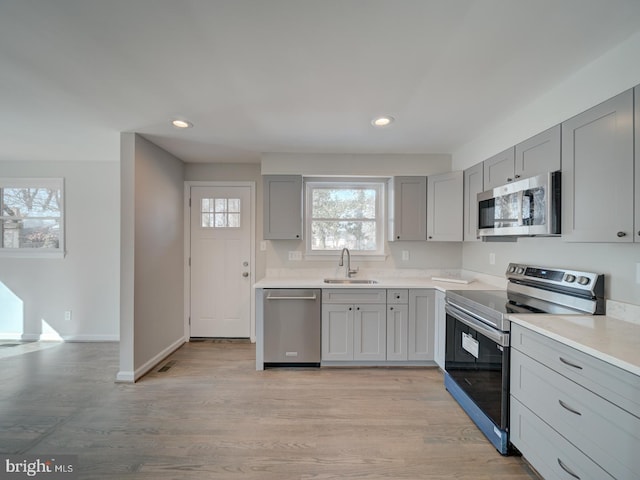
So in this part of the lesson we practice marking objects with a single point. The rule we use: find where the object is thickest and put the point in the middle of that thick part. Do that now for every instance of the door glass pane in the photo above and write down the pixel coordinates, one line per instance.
(220, 213)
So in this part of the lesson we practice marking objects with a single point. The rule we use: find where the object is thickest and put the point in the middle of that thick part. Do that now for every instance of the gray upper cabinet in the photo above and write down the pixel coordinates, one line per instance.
(473, 185)
(598, 173)
(408, 208)
(538, 154)
(444, 207)
(637, 164)
(282, 202)
(499, 169)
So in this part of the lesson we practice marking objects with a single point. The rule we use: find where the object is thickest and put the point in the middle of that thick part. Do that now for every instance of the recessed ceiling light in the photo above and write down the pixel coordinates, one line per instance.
(382, 121)
(181, 123)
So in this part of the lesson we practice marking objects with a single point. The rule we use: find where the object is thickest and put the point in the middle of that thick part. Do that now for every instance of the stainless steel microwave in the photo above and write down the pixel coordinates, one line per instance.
(527, 207)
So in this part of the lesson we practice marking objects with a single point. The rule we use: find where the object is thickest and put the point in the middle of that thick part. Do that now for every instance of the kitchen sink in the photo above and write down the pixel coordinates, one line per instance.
(349, 281)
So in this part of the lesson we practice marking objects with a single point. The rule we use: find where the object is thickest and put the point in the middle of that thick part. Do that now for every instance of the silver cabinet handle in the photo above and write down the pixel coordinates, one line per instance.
(292, 298)
(567, 469)
(622, 234)
(570, 364)
(245, 274)
(567, 407)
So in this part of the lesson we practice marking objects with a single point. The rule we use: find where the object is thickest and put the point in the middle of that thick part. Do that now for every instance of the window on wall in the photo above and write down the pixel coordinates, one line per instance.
(343, 214)
(32, 216)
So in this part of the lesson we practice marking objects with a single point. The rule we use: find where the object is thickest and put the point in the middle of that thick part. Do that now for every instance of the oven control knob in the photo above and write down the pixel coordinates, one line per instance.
(512, 269)
(570, 278)
(520, 270)
(583, 280)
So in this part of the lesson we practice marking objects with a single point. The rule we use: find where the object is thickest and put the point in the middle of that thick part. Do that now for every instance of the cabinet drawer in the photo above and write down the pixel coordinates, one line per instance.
(398, 296)
(549, 453)
(353, 295)
(604, 432)
(615, 384)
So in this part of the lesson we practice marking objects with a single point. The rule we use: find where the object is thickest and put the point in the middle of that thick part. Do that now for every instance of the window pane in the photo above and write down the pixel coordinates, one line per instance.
(206, 205)
(234, 220)
(233, 205)
(31, 202)
(207, 220)
(335, 235)
(344, 203)
(221, 204)
(31, 233)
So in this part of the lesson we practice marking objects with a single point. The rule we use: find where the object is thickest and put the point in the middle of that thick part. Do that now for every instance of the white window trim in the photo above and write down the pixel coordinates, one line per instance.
(379, 184)
(57, 183)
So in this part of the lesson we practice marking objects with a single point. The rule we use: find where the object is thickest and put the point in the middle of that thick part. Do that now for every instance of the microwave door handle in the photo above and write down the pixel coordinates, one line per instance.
(520, 210)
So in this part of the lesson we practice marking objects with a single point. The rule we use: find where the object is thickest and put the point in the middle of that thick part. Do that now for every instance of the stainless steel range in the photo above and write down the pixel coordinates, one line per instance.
(477, 336)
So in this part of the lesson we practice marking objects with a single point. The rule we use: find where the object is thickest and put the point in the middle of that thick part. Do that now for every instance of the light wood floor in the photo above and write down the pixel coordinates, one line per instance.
(212, 416)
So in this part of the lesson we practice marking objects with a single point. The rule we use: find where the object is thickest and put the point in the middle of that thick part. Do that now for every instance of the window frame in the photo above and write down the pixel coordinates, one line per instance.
(34, 182)
(378, 184)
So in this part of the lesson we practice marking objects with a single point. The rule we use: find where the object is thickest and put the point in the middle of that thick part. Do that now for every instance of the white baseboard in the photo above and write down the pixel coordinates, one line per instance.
(91, 338)
(131, 377)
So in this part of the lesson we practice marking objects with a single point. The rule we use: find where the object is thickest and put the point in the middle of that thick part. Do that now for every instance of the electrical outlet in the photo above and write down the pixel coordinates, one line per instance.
(405, 255)
(295, 255)
(263, 246)
(492, 259)
(67, 315)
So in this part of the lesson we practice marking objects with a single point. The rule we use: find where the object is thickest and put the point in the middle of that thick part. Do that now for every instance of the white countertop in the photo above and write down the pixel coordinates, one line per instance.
(383, 282)
(614, 341)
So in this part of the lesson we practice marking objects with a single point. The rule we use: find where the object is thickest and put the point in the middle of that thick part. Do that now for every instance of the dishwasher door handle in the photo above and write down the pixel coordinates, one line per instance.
(292, 298)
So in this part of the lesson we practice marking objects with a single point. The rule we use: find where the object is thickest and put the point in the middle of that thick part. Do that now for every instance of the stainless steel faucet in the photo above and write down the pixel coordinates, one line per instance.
(347, 271)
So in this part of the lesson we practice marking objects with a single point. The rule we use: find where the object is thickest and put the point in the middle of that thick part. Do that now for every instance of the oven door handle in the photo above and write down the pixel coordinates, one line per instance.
(497, 336)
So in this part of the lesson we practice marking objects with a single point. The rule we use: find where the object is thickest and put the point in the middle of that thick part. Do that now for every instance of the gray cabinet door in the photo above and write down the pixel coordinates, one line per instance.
(597, 173)
(444, 207)
(538, 154)
(370, 332)
(473, 185)
(499, 169)
(397, 331)
(440, 329)
(337, 332)
(637, 164)
(408, 208)
(421, 324)
(282, 203)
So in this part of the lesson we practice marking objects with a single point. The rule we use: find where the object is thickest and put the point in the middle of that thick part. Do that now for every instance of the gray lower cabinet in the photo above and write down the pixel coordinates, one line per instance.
(353, 324)
(282, 203)
(421, 324)
(440, 329)
(572, 414)
(397, 324)
(637, 163)
(598, 173)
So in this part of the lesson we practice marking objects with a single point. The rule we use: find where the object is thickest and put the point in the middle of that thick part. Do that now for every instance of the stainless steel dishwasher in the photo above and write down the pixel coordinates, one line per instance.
(292, 327)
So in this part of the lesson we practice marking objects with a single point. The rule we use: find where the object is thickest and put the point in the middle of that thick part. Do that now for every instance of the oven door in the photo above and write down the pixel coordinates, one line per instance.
(477, 359)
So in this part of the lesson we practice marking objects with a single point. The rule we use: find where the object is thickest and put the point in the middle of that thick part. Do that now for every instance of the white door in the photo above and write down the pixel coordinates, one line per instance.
(220, 261)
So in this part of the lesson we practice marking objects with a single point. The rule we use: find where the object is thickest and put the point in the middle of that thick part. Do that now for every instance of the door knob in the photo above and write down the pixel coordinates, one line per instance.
(245, 274)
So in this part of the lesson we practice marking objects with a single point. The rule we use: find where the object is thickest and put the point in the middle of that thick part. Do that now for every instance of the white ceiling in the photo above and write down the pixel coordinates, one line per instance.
(283, 75)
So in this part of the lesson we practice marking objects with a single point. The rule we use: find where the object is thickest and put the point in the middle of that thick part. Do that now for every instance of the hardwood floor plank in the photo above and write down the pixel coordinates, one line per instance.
(210, 415)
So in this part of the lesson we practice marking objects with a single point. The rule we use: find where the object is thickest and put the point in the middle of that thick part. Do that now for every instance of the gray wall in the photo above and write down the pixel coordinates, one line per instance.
(152, 261)
(86, 280)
